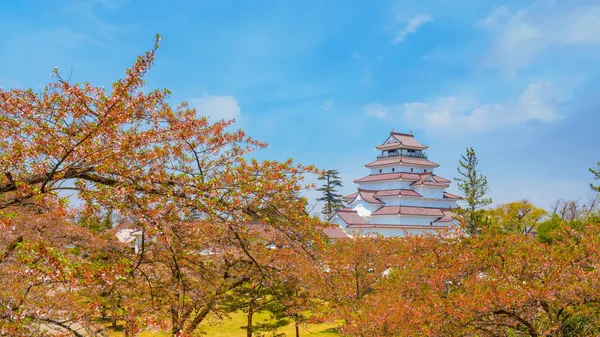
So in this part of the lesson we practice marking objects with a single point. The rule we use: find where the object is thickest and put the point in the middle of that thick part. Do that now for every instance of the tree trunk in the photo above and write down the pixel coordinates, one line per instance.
(297, 328)
(176, 326)
(250, 314)
(176, 330)
(129, 328)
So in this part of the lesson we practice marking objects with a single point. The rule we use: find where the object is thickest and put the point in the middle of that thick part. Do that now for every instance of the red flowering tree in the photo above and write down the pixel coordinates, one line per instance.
(202, 210)
(489, 285)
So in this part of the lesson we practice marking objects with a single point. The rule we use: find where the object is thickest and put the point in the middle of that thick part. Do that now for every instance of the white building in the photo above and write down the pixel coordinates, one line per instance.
(401, 195)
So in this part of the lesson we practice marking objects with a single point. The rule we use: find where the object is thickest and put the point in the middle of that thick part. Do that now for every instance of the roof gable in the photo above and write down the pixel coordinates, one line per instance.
(391, 140)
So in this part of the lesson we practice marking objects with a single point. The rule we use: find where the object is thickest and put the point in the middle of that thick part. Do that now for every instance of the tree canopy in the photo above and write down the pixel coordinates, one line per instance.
(516, 217)
(492, 284)
(202, 212)
(205, 229)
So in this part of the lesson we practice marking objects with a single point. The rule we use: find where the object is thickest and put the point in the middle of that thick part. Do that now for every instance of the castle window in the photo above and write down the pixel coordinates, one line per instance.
(393, 169)
(411, 169)
(379, 170)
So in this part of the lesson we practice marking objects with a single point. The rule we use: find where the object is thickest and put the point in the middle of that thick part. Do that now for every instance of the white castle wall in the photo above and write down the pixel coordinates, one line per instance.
(419, 202)
(362, 207)
(393, 169)
(386, 185)
(430, 192)
(388, 232)
(401, 219)
(338, 221)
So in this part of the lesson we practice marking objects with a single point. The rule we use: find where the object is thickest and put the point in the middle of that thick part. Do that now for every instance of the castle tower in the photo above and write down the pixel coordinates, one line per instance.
(401, 195)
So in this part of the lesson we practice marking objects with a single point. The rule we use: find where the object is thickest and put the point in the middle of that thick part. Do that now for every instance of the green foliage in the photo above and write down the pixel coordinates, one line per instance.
(253, 297)
(596, 173)
(97, 223)
(549, 230)
(546, 229)
(579, 324)
(474, 188)
(332, 199)
(520, 217)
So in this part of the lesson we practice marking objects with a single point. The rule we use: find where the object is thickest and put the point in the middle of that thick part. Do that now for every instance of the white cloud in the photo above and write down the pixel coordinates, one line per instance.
(537, 102)
(412, 25)
(519, 37)
(217, 107)
(376, 110)
(327, 105)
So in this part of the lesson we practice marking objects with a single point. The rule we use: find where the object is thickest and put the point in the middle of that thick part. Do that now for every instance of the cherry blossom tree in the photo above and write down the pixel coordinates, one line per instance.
(201, 208)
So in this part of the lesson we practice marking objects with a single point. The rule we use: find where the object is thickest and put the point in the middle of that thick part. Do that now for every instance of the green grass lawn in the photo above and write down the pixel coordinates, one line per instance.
(232, 328)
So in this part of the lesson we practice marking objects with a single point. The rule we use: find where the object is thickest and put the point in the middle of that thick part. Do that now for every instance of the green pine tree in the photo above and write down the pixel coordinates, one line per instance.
(474, 187)
(596, 173)
(332, 199)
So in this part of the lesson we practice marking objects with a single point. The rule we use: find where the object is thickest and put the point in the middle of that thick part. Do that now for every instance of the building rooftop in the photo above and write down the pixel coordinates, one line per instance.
(426, 178)
(448, 217)
(395, 160)
(430, 179)
(350, 196)
(369, 196)
(397, 192)
(351, 217)
(353, 220)
(372, 196)
(336, 233)
(409, 210)
(450, 196)
(398, 140)
(407, 227)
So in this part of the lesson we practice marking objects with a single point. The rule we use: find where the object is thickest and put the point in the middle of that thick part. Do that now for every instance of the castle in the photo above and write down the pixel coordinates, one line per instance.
(401, 195)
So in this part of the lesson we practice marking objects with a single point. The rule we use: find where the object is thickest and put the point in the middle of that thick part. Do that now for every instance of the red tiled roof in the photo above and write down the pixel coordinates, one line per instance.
(388, 176)
(440, 179)
(448, 217)
(410, 176)
(368, 196)
(371, 196)
(425, 179)
(379, 177)
(388, 146)
(350, 196)
(417, 177)
(407, 139)
(400, 192)
(408, 210)
(450, 196)
(404, 139)
(402, 160)
(350, 217)
(430, 183)
(336, 233)
(353, 220)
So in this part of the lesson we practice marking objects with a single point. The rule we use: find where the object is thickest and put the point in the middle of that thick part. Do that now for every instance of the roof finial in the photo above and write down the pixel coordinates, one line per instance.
(410, 132)
(391, 132)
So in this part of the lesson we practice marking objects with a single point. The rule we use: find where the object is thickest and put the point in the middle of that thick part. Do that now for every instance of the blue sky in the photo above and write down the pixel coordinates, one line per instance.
(324, 82)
